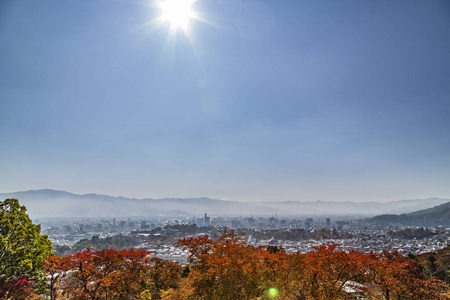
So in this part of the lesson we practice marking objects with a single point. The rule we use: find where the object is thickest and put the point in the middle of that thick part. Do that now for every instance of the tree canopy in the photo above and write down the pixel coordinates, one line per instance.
(111, 275)
(228, 268)
(22, 247)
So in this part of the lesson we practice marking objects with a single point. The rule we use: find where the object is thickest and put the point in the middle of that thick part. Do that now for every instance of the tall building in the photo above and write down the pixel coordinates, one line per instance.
(308, 223)
(207, 220)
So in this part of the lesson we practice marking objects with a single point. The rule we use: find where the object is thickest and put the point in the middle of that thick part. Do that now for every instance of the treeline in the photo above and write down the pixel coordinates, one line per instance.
(187, 228)
(116, 242)
(409, 233)
(228, 268)
(300, 234)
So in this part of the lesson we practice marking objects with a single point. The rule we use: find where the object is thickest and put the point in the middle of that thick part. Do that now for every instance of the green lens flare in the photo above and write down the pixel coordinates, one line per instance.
(273, 292)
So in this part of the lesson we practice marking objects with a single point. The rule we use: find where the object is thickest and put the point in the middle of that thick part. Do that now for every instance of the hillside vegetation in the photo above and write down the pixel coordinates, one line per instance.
(228, 268)
(435, 216)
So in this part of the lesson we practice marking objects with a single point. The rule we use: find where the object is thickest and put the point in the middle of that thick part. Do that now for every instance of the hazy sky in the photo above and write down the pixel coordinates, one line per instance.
(260, 100)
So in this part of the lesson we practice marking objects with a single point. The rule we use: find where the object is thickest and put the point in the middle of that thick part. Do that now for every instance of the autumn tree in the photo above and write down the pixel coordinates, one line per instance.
(228, 268)
(22, 251)
(323, 273)
(162, 276)
(225, 268)
(330, 271)
(111, 274)
(55, 269)
(399, 277)
(437, 264)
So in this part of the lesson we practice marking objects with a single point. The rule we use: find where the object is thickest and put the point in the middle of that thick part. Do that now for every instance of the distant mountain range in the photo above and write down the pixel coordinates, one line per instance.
(52, 203)
(435, 216)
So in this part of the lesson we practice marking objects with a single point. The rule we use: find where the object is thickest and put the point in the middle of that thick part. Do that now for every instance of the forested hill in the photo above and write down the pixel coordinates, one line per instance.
(435, 216)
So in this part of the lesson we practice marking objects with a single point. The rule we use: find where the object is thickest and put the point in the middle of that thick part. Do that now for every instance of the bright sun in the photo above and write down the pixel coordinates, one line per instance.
(177, 12)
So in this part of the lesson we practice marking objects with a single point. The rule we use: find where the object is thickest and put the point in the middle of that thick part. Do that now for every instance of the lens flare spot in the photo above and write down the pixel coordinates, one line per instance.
(273, 292)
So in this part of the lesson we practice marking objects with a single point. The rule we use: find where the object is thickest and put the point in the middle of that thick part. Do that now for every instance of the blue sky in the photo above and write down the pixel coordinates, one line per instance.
(259, 101)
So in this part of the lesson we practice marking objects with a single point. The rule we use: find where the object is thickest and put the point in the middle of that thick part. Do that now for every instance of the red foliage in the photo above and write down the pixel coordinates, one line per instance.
(228, 268)
(110, 274)
(19, 289)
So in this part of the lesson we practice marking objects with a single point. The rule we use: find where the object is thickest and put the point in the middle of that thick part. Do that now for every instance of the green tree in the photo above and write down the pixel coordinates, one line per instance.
(22, 248)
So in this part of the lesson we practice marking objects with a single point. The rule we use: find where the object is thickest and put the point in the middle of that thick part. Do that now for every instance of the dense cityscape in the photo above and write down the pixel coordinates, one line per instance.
(160, 235)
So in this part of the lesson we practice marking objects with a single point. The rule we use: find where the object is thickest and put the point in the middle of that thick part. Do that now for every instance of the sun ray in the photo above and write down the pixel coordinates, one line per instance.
(177, 12)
